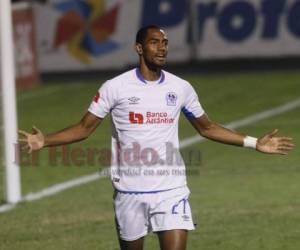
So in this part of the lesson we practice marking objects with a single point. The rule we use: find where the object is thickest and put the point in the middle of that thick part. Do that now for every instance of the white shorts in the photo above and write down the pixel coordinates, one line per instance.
(140, 213)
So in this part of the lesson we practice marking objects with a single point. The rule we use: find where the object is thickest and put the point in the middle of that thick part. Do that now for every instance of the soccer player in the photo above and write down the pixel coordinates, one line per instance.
(151, 193)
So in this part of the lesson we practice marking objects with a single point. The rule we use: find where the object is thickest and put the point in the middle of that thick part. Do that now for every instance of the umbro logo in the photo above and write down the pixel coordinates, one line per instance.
(134, 100)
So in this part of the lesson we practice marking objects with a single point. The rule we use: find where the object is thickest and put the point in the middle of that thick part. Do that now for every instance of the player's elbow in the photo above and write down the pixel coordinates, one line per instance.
(208, 129)
(83, 132)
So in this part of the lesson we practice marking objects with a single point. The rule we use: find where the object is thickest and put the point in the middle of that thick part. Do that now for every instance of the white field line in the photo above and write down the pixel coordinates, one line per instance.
(64, 185)
(6, 207)
(184, 143)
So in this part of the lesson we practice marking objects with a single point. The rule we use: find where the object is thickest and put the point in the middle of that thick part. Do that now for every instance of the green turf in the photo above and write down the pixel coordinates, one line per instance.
(241, 199)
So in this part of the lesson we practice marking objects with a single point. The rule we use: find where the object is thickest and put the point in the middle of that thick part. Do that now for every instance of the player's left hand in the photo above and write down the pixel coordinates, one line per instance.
(272, 144)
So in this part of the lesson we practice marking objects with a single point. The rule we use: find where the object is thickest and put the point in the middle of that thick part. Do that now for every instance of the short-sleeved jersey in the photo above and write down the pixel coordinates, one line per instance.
(144, 116)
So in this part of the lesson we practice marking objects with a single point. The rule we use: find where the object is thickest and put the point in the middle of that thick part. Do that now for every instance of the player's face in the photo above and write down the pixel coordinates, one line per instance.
(155, 48)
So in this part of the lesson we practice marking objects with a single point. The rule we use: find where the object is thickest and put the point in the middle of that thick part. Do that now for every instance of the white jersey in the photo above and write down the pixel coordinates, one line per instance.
(145, 145)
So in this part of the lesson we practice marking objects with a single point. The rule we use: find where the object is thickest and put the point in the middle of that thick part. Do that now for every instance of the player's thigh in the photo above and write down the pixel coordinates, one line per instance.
(173, 239)
(132, 245)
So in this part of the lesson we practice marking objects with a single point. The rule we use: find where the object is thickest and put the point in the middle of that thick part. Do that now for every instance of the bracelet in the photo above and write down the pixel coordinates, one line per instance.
(250, 142)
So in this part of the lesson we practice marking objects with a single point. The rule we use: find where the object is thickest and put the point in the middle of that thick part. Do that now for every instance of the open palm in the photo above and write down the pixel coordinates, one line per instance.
(32, 141)
(272, 144)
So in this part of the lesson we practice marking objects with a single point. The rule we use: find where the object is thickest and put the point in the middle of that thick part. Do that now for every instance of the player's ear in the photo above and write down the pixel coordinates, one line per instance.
(138, 48)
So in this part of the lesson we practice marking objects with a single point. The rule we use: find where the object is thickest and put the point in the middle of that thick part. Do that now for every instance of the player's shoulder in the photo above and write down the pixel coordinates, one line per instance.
(176, 79)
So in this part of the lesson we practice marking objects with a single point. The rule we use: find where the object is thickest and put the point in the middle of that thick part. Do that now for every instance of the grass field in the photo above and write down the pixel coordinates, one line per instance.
(240, 199)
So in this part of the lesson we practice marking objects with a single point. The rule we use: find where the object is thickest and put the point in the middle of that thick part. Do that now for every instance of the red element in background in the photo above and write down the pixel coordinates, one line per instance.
(71, 23)
(104, 26)
(67, 27)
(97, 97)
(25, 79)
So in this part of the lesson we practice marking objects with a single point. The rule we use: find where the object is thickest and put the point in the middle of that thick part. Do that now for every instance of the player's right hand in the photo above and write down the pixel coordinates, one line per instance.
(272, 144)
(32, 141)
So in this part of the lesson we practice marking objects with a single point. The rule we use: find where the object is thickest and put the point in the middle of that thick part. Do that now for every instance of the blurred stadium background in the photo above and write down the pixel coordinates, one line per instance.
(242, 57)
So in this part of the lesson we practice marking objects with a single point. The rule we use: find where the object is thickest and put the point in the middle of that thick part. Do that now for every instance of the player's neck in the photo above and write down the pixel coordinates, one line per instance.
(150, 74)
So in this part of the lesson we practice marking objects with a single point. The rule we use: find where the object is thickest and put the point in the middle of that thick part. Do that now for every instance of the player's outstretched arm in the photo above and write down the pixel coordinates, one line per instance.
(80, 131)
(269, 143)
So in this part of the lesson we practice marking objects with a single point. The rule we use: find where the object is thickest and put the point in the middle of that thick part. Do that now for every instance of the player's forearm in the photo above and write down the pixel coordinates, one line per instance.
(68, 135)
(221, 134)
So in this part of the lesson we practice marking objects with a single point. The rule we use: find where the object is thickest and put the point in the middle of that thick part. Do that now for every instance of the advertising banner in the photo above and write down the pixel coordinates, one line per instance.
(231, 28)
(99, 34)
(248, 28)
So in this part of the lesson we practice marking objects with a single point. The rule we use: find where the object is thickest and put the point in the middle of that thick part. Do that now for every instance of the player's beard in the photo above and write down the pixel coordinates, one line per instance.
(160, 61)
(156, 63)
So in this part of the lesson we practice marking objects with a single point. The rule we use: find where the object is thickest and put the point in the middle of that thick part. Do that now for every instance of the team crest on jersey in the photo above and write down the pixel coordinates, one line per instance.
(171, 98)
(134, 100)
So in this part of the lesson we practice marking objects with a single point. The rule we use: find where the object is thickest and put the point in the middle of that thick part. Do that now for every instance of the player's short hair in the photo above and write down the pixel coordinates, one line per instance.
(142, 33)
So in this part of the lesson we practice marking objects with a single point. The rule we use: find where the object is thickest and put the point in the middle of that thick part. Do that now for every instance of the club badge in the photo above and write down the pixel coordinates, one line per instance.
(171, 99)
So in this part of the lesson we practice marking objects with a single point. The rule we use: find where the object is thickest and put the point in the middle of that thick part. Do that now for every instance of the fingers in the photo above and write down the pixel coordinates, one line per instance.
(24, 133)
(275, 151)
(281, 152)
(276, 145)
(25, 147)
(285, 148)
(36, 130)
(22, 140)
(284, 139)
(273, 133)
(285, 143)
